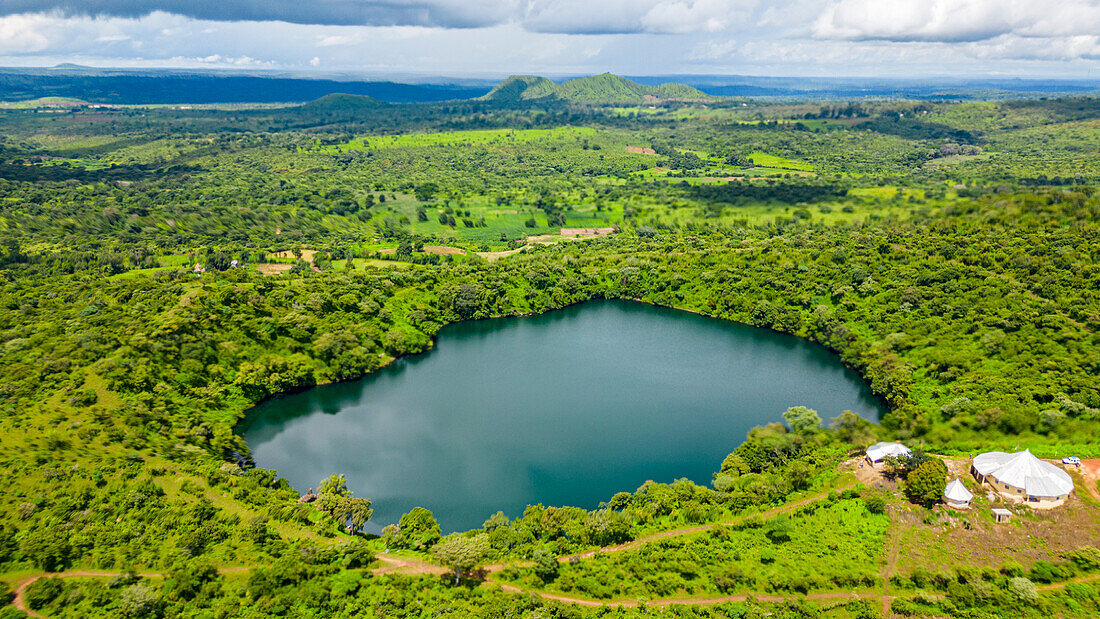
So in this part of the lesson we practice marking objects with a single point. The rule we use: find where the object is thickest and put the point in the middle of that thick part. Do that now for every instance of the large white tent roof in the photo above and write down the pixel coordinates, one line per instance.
(956, 491)
(1023, 470)
(878, 451)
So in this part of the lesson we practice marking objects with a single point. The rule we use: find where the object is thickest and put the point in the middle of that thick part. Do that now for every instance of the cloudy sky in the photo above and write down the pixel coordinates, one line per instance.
(902, 38)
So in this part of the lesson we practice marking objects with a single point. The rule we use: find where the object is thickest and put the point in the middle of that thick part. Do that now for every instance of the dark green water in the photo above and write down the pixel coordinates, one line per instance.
(565, 408)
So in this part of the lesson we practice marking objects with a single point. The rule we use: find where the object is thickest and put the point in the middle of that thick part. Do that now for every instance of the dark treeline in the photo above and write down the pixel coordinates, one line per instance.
(198, 88)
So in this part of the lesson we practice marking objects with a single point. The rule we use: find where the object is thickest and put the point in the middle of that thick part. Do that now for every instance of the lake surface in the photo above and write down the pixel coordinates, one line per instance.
(565, 408)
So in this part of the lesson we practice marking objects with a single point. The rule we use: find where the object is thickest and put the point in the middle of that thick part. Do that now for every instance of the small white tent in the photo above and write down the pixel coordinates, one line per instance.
(880, 451)
(956, 495)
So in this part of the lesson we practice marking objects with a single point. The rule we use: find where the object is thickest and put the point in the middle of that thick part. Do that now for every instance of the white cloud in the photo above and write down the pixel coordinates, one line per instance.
(337, 39)
(20, 34)
(226, 61)
(633, 16)
(954, 20)
(838, 37)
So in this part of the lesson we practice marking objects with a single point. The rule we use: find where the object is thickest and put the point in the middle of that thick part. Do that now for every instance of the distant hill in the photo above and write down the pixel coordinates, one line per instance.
(520, 87)
(72, 67)
(604, 89)
(341, 102)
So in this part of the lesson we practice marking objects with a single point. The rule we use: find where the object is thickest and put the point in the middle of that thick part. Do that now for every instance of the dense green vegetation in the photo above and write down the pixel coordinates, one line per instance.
(947, 252)
(818, 547)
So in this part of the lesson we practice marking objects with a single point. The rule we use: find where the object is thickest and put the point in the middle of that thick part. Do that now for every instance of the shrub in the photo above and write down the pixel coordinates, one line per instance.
(779, 529)
(140, 600)
(729, 578)
(876, 504)
(1023, 589)
(42, 591)
(47, 550)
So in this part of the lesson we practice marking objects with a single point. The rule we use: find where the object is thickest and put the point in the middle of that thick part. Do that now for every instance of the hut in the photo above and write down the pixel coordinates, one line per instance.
(879, 452)
(1024, 478)
(1001, 514)
(308, 497)
(956, 495)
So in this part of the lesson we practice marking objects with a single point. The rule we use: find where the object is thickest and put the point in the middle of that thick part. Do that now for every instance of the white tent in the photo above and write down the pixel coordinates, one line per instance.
(956, 495)
(1023, 476)
(880, 451)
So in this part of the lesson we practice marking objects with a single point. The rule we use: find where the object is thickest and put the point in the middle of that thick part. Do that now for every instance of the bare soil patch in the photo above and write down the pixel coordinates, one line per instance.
(307, 254)
(497, 255)
(972, 538)
(586, 232)
(870, 476)
(543, 239)
(1090, 471)
(641, 150)
(443, 250)
(273, 269)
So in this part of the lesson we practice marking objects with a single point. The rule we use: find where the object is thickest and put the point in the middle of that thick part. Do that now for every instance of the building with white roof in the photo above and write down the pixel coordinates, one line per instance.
(879, 452)
(1022, 477)
(956, 495)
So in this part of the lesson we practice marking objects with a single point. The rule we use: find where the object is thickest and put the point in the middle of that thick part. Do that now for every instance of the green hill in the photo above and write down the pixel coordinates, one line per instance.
(340, 102)
(520, 87)
(603, 89)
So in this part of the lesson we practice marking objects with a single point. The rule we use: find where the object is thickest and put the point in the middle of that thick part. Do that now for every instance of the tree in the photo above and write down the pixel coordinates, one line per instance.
(925, 485)
(332, 494)
(546, 565)
(359, 511)
(495, 521)
(802, 420)
(460, 553)
(604, 527)
(417, 530)
(466, 301)
(620, 501)
(191, 579)
(853, 429)
(914, 460)
(734, 465)
(336, 484)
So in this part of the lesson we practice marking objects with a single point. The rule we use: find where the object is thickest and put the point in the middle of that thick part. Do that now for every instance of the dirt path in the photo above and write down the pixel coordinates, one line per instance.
(740, 597)
(704, 527)
(398, 565)
(413, 566)
(19, 601)
(888, 571)
(1072, 581)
